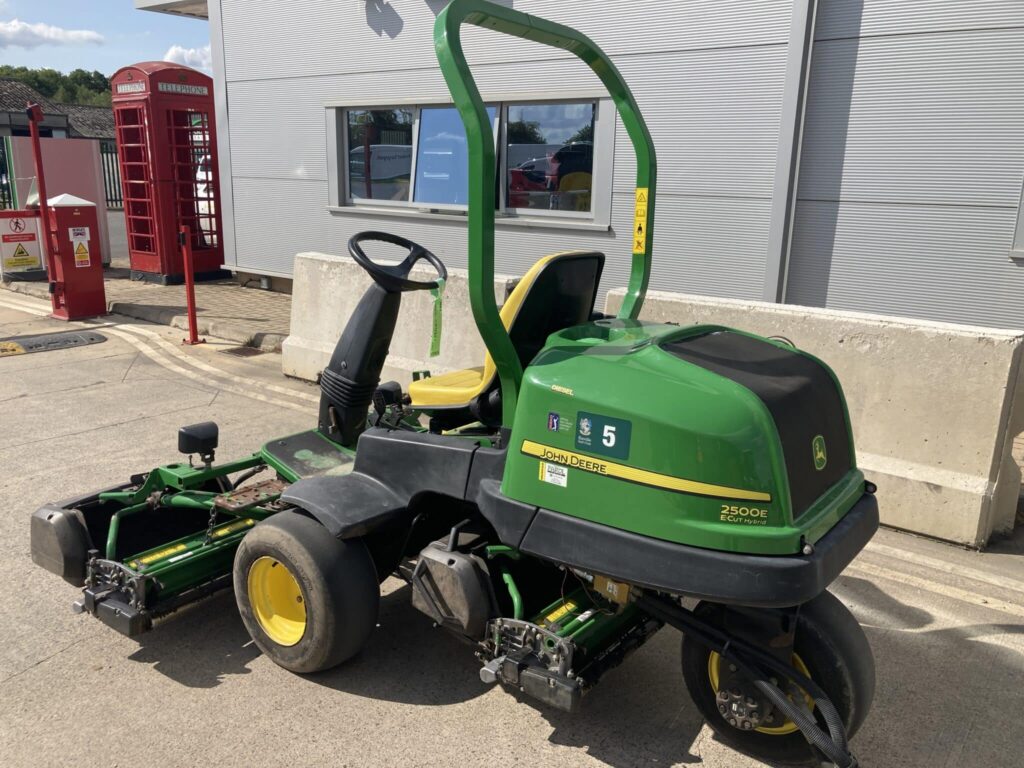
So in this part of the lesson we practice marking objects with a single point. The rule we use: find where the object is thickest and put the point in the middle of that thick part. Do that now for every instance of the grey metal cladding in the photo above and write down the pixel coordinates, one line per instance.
(936, 118)
(913, 161)
(267, 39)
(944, 263)
(867, 18)
(708, 77)
(714, 116)
(706, 245)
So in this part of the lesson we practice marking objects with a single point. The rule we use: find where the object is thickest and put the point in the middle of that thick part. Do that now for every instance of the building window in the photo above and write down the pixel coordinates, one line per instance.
(551, 158)
(379, 154)
(442, 172)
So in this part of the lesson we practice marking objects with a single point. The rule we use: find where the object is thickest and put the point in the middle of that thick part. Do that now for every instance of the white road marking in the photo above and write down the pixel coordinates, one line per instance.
(209, 381)
(212, 369)
(32, 309)
(927, 585)
(946, 567)
(223, 380)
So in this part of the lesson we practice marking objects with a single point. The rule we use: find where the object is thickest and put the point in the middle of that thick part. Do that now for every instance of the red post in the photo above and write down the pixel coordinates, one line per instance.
(185, 238)
(47, 242)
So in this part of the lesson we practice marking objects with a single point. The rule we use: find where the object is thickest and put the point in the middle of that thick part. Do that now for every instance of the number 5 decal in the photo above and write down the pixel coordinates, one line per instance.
(609, 436)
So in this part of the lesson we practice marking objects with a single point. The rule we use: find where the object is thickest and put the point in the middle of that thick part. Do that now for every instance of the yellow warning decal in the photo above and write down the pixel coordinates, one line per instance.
(567, 607)
(160, 554)
(227, 530)
(641, 476)
(640, 221)
(8, 348)
(20, 258)
(81, 255)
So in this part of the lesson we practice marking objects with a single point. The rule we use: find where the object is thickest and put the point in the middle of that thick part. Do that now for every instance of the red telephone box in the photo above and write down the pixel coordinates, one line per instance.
(167, 150)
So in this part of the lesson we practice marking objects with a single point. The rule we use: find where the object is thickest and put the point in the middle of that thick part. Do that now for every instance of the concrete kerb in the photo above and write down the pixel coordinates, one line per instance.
(934, 406)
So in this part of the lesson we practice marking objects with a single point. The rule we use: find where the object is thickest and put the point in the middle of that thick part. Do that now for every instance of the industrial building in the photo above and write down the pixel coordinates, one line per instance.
(853, 154)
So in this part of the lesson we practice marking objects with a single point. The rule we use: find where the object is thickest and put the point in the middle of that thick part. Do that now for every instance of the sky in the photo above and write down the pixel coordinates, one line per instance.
(97, 34)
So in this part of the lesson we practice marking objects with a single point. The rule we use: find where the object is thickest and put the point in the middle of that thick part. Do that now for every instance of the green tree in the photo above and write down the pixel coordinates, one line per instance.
(525, 132)
(76, 87)
(586, 133)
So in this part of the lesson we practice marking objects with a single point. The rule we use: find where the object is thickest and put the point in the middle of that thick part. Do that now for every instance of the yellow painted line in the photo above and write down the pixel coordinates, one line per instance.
(635, 475)
(859, 568)
(9, 348)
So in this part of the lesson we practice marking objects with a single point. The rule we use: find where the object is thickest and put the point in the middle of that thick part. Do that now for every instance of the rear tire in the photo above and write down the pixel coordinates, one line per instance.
(831, 645)
(319, 609)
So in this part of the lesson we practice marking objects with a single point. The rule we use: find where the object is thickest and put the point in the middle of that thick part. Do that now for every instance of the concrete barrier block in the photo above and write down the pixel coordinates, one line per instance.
(325, 292)
(934, 406)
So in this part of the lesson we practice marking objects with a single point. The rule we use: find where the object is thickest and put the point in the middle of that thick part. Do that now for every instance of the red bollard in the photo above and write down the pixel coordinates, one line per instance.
(185, 238)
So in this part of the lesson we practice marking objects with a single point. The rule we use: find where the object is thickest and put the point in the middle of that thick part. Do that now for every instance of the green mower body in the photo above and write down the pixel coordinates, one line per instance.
(559, 517)
(703, 436)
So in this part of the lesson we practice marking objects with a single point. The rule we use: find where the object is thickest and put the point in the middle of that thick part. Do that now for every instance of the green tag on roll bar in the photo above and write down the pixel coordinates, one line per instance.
(435, 331)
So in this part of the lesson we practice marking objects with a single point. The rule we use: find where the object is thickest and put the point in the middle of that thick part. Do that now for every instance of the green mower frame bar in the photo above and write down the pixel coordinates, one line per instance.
(480, 143)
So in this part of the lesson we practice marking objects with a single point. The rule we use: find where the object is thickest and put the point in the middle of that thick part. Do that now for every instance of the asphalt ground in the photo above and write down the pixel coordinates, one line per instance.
(946, 625)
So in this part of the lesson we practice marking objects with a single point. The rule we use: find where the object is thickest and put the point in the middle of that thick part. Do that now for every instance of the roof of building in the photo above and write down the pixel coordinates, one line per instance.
(84, 121)
(14, 95)
(89, 122)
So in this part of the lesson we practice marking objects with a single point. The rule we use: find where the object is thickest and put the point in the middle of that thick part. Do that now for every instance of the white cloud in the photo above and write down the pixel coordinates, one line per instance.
(20, 34)
(198, 58)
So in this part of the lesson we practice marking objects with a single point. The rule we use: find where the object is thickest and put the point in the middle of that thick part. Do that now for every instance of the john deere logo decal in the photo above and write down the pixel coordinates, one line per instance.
(820, 456)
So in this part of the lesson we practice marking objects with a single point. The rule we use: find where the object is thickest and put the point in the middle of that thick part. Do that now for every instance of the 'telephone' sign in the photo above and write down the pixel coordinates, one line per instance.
(185, 88)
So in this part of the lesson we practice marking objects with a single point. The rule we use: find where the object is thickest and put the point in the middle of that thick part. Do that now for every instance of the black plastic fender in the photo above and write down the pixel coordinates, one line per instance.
(391, 468)
(60, 540)
(348, 506)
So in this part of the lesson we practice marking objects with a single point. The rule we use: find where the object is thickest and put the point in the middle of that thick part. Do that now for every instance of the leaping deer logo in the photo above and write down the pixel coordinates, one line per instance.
(820, 455)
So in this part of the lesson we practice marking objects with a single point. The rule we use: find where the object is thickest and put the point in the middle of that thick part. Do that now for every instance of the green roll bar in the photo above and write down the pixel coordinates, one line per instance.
(480, 143)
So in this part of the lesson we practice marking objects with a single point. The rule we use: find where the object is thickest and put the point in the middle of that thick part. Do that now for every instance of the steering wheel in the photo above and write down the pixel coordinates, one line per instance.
(395, 279)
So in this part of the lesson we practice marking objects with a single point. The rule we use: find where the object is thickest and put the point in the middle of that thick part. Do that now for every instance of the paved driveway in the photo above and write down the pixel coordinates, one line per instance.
(947, 626)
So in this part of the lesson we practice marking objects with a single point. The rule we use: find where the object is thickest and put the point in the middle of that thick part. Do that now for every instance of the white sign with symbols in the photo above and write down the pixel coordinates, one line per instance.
(19, 245)
(79, 237)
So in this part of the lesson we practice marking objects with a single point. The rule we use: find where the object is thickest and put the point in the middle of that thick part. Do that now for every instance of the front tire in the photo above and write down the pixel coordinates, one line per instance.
(831, 648)
(308, 599)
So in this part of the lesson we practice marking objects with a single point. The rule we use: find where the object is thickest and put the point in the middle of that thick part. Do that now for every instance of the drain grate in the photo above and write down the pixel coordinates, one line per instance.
(243, 351)
(47, 342)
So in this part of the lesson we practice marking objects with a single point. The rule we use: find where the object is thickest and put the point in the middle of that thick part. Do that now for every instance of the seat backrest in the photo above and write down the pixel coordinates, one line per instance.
(557, 292)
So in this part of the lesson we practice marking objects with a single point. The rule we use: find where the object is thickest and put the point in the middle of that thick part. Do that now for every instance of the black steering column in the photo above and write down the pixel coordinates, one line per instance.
(348, 382)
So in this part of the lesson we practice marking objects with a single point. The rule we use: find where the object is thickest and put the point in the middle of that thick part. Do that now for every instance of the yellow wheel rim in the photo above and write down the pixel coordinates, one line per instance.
(715, 661)
(276, 599)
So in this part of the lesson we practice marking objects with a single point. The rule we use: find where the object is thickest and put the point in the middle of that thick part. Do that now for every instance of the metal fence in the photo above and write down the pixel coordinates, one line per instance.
(6, 193)
(111, 174)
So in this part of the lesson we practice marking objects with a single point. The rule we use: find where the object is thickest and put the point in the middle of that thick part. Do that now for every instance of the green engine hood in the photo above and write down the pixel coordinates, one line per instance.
(704, 436)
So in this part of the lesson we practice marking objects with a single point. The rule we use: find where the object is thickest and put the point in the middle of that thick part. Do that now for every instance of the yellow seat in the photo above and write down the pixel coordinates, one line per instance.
(569, 302)
(453, 388)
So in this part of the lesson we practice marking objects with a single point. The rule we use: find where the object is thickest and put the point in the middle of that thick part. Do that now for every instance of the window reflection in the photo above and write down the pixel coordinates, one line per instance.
(442, 159)
(550, 155)
(380, 153)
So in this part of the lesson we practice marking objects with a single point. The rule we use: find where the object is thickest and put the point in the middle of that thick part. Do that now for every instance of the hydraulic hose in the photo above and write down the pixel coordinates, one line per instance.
(717, 639)
(833, 745)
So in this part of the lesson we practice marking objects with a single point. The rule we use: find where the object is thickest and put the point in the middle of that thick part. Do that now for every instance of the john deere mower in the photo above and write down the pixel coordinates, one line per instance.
(594, 480)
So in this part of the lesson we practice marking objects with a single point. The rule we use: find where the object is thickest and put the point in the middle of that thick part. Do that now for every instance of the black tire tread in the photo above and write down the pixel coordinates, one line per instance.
(338, 582)
(832, 644)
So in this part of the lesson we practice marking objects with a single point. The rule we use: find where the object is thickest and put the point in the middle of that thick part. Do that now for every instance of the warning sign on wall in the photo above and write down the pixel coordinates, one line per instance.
(19, 244)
